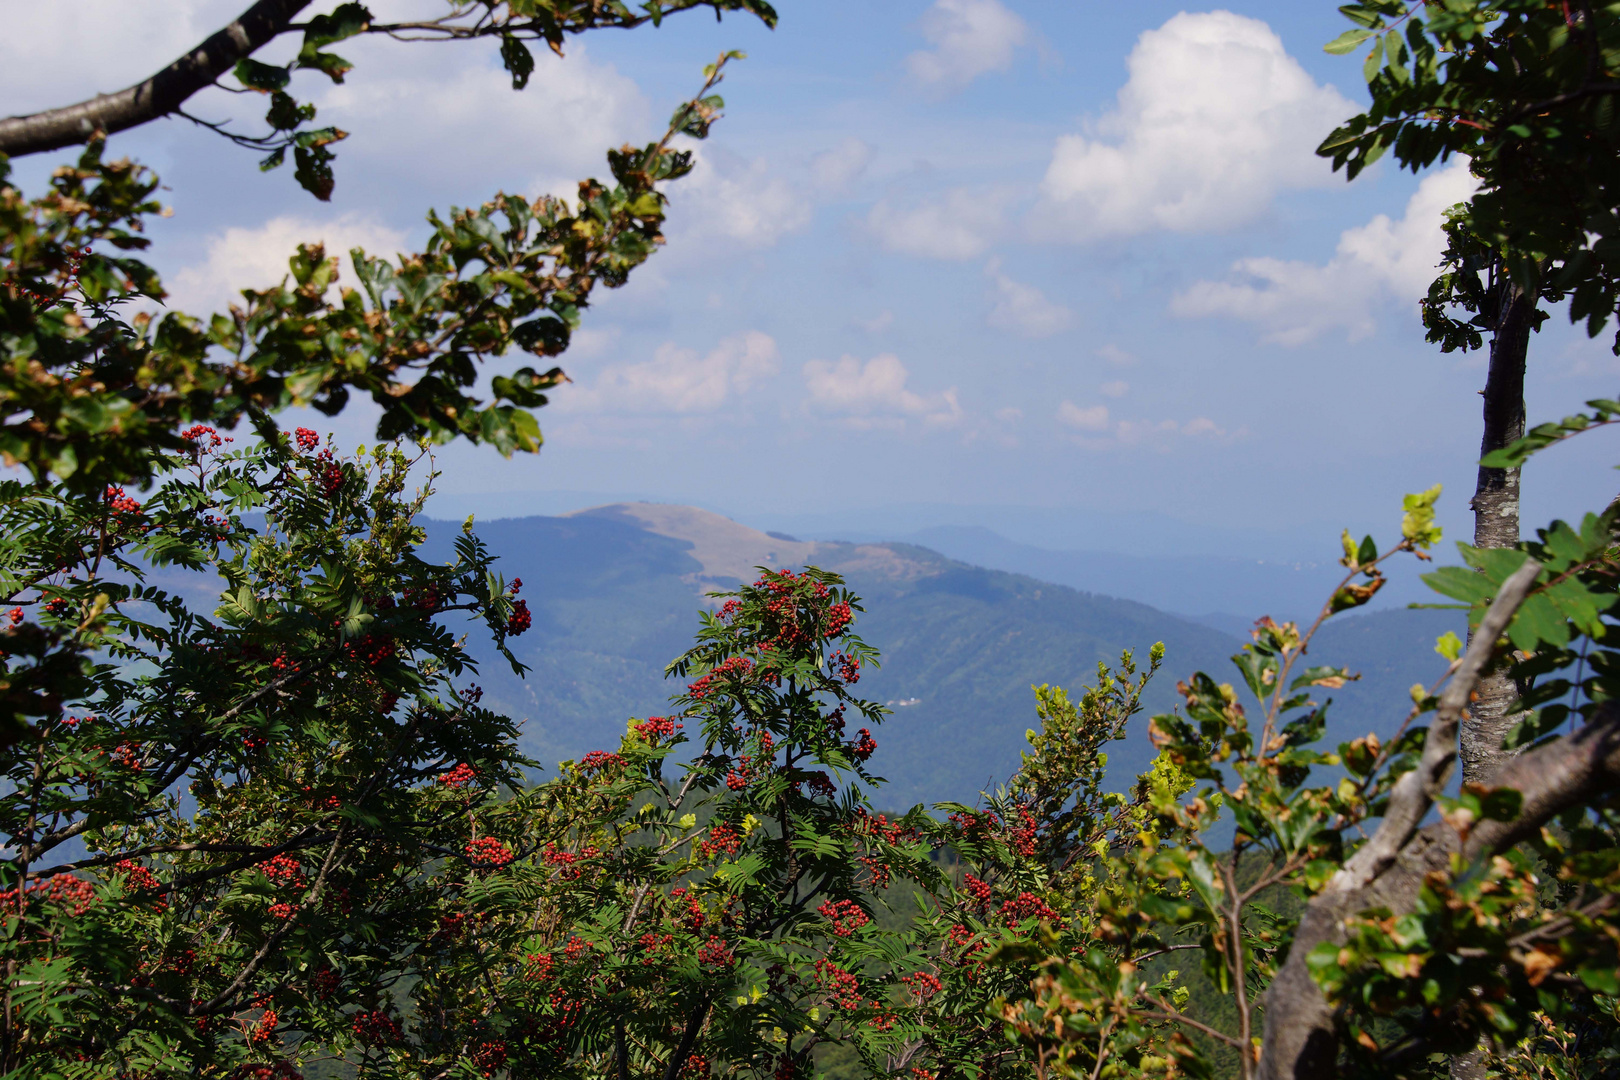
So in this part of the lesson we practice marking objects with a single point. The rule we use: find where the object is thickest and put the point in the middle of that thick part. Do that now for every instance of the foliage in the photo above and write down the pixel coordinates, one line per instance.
(1527, 91)
(514, 24)
(86, 395)
(251, 793)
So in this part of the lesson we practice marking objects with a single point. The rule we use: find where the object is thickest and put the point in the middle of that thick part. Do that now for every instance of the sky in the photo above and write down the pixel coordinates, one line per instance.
(1068, 270)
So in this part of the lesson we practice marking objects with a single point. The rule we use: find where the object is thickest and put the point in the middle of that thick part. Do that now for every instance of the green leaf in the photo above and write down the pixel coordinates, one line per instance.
(264, 78)
(1347, 41)
(516, 58)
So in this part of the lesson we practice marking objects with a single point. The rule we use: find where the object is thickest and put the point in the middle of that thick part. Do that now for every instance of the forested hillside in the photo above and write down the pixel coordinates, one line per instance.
(615, 593)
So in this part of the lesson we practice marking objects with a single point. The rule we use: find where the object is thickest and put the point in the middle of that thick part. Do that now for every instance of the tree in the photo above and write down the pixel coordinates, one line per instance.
(1526, 91)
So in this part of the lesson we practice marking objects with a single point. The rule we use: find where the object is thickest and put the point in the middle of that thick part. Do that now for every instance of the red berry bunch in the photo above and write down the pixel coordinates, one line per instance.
(265, 1030)
(847, 668)
(736, 667)
(863, 746)
(1023, 836)
(283, 910)
(325, 982)
(520, 619)
(598, 760)
(821, 785)
(376, 1028)
(1026, 905)
(656, 727)
(73, 893)
(846, 916)
(979, 890)
(372, 649)
(922, 983)
(569, 860)
(121, 505)
(204, 438)
(57, 606)
(488, 1057)
(137, 878)
(696, 1066)
(841, 986)
(488, 850)
(307, 439)
(716, 953)
(15, 615)
(284, 871)
(838, 618)
(459, 777)
(723, 840)
(729, 608)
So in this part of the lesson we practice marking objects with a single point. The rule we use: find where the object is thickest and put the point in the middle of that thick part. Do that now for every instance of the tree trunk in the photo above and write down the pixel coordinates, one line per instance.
(1496, 525)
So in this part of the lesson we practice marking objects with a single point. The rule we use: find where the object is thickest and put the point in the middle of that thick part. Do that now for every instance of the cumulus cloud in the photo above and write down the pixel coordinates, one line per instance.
(969, 38)
(256, 258)
(744, 202)
(874, 394)
(1118, 388)
(678, 380)
(1024, 309)
(834, 170)
(56, 54)
(1091, 418)
(1293, 302)
(1215, 119)
(958, 224)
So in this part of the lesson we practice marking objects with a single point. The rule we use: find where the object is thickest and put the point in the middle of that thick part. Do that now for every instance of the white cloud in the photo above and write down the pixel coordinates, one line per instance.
(1024, 309)
(970, 38)
(1293, 302)
(678, 380)
(727, 199)
(242, 258)
(1116, 355)
(836, 169)
(1215, 120)
(1092, 418)
(1116, 389)
(1009, 414)
(877, 323)
(959, 224)
(1095, 427)
(874, 394)
(56, 54)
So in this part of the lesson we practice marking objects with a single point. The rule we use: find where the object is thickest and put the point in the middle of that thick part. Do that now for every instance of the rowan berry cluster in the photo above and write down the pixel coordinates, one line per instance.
(723, 840)
(846, 916)
(204, 438)
(57, 606)
(847, 668)
(73, 893)
(715, 953)
(598, 760)
(307, 439)
(1022, 836)
(284, 871)
(979, 890)
(696, 1066)
(459, 777)
(692, 918)
(261, 1033)
(520, 620)
(821, 785)
(137, 878)
(489, 851)
(653, 945)
(729, 608)
(372, 649)
(863, 746)
(838, 618)
(1026, 905)
(657, 727)
(488, 1057)
(15, 615)
(923, 984)
(325, 982)
(283, 910)
(736, 667)
(376, 1028)
(843, 987)
(569, 860)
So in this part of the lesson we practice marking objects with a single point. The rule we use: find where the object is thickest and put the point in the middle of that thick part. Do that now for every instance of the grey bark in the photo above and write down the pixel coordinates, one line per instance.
(1496, 525)
(154, 97)
(1496, 519)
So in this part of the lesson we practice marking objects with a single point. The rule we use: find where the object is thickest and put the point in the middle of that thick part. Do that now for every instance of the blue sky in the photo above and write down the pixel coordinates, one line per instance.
(1066, 270)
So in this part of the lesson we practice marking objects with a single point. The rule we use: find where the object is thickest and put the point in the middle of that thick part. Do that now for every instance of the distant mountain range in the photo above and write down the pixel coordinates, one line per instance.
(614, 593)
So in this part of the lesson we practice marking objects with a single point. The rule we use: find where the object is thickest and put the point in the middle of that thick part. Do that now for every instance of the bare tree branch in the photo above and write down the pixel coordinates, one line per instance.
(155, 97)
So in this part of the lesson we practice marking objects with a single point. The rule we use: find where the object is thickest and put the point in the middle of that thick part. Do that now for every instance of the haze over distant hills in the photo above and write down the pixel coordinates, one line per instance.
(614, 593)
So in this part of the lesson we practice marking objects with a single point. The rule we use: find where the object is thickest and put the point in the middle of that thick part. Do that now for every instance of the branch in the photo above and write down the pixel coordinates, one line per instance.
(1301, 1038)
(155, 97)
